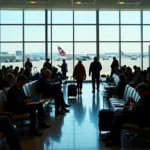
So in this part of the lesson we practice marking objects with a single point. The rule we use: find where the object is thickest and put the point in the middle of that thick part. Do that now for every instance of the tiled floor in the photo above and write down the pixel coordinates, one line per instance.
(77, 130)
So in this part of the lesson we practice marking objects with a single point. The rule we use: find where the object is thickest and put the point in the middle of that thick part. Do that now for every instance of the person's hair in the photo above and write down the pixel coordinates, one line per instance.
(148, 69)
(47, 59)
(80, 62)
(114, 57)
(9, 75)
(122, 78)
(95, 58)
(21, 78)
(142, 87)
(64, 60)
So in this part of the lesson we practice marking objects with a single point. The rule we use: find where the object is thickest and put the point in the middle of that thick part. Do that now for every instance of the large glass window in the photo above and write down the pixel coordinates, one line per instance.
(131, 54)
(85, 33)
(62, 17)
(146, 33)
(62, 33)
(85, 17)
(34, 17)
(146, 18)
(11, 33)
(130, 33)
(109, 33)
(85, 52)
(109, 17)
(107, 51)
(57, 57)
(11, 54)
(34, 33)
(36, 52)
(146, 54)
(11, 17)
(130, 17)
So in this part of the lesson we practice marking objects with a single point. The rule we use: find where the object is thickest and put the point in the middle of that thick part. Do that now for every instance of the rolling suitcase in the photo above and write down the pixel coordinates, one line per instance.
(72, 90)
(105, 119)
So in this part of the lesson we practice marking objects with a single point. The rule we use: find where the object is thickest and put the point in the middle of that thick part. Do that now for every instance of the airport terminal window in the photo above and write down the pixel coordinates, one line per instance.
(49, 17)
(85, 33)
(34, 17)
(11, 17)
(146, 53)
(131, 54)
(57, 58)
(11, 54)
(11, 33)
(62, 17)
(85, 17)
(107, 51)
(130, 17)
(34, 33)
(130, 33)
(146, 33)
(36, 53)
(86, 52)
(108, 33)
(109, 17)
(146, 18)
(62, 33)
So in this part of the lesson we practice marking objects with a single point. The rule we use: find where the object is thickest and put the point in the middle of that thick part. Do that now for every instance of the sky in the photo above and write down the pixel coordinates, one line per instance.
(84, 35)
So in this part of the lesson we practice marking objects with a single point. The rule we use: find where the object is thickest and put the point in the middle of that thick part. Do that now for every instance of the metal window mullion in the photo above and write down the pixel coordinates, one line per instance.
(46, 35)
(97, 34)
(120, 37)
(73, 40)
(51, 38)
(142, 39)
(23, 36)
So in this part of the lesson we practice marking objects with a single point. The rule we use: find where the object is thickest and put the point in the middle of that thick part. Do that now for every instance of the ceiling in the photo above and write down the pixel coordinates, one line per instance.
(71, 4)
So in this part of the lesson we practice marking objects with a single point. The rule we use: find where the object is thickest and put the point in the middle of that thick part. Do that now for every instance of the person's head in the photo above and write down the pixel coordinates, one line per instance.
(43, 69)
(28, 59)
(47, 73)
(142, 89)
(79, 62)
(3, 67)
(9, 77)
(135, 67)
(114, 58)
(64, 60)
(21, 70)
(47, 60)
(11, 67)
(148, 69)
(95, 58)
(148, 76)
(21, 80)
(17, 69)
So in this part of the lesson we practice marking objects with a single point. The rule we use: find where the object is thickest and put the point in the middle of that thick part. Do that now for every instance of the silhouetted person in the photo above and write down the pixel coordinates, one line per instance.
(95, 68)
(47, 64)
(28, 64)
(79, 74)
(7, 128)
(114, 66)
(64, 68)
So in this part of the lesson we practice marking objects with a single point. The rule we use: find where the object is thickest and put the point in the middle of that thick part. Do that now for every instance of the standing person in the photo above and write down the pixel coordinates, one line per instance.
(28, 64)
(95, 68)
(114, 66)
(47, 64)
(64, 68)
(79, 74)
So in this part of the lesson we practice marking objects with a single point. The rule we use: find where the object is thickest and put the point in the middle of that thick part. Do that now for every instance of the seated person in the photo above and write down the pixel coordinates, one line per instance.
(7, 81)
(148, 80)
(18, 103)
(10, 133)
(136, 115)
(48, 89)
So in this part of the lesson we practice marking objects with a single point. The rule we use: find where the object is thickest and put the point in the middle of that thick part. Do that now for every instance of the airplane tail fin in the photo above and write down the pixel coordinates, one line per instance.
(61, 51)
(122, 52)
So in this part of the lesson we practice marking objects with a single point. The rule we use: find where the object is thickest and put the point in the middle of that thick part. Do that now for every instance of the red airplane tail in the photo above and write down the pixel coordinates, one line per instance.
(122, 52)
(61, 51)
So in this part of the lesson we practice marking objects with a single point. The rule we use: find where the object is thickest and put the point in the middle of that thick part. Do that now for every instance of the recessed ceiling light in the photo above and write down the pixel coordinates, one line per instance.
(121, 3)
(32, 2)
(78, 3)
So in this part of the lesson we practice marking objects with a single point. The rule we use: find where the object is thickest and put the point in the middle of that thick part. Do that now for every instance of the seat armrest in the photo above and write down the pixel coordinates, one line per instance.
(9, 114)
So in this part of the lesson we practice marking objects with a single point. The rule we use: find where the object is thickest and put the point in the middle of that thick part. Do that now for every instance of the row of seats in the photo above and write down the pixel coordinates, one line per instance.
(30, 90)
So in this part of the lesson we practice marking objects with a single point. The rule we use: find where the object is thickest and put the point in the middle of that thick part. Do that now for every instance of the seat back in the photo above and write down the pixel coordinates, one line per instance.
(27, 89)
(129, 93)
(136, 96)
(2, 101)
(116, 79)
(125, 91)
(33, 85)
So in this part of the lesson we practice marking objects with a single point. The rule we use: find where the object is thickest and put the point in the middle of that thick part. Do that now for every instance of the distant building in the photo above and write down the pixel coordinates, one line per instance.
(19, 55)
(6, 57)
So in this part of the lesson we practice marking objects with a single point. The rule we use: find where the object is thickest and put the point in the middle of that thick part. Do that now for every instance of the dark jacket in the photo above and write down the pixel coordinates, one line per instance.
(115, 64)
(47, 65)
(95, 68)
(142, 111)
(15, 98)
(120, 89)
(28, 65)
